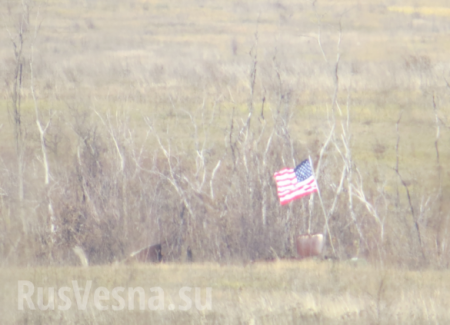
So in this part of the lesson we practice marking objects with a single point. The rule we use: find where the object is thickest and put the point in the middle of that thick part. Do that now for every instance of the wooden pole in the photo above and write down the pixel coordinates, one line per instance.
(327, 229)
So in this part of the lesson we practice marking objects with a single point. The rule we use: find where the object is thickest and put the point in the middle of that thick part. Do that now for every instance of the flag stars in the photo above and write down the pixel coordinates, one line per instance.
(303, 171)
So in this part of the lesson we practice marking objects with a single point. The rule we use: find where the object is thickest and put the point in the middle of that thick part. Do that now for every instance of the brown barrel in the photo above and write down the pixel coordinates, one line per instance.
(309, 245)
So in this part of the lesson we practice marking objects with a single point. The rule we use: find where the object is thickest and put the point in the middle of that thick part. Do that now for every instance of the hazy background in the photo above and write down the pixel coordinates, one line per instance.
(166, 121)
(130, 123)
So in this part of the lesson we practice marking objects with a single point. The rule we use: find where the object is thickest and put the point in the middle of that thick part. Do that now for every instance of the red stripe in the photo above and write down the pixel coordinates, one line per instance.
(291, 189)
(284, 171)
(284, 196)
(286, 179)
(297, 196)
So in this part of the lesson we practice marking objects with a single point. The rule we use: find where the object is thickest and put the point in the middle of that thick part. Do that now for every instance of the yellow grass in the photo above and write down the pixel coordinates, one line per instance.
(428, 11)
(281, 292)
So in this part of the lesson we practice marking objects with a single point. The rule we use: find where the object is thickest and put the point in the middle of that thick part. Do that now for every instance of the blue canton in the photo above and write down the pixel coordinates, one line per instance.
(303, 171)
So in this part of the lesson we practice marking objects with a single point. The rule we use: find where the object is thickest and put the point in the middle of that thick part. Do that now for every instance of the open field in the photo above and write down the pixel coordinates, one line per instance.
(307, 292)
(130, 123)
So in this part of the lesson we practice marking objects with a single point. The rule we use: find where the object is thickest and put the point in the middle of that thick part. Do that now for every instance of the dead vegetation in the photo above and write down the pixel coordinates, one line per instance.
(126, 124)
(146, 149)
(307, 292)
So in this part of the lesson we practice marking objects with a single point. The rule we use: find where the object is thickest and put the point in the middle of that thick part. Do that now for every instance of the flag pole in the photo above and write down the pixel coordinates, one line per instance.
(323, 207)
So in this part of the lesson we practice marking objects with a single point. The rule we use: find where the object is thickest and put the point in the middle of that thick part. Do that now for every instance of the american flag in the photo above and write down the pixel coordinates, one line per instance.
(295, 183)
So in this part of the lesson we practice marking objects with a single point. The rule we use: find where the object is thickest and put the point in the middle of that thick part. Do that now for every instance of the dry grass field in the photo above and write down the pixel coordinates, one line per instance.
(129, 123)
(307, 292)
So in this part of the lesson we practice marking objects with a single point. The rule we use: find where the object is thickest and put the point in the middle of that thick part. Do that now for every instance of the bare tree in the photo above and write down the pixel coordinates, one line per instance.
(42, 137)
(18, 38)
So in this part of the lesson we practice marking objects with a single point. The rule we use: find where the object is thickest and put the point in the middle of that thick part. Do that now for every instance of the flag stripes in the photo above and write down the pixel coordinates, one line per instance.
(295, 183)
